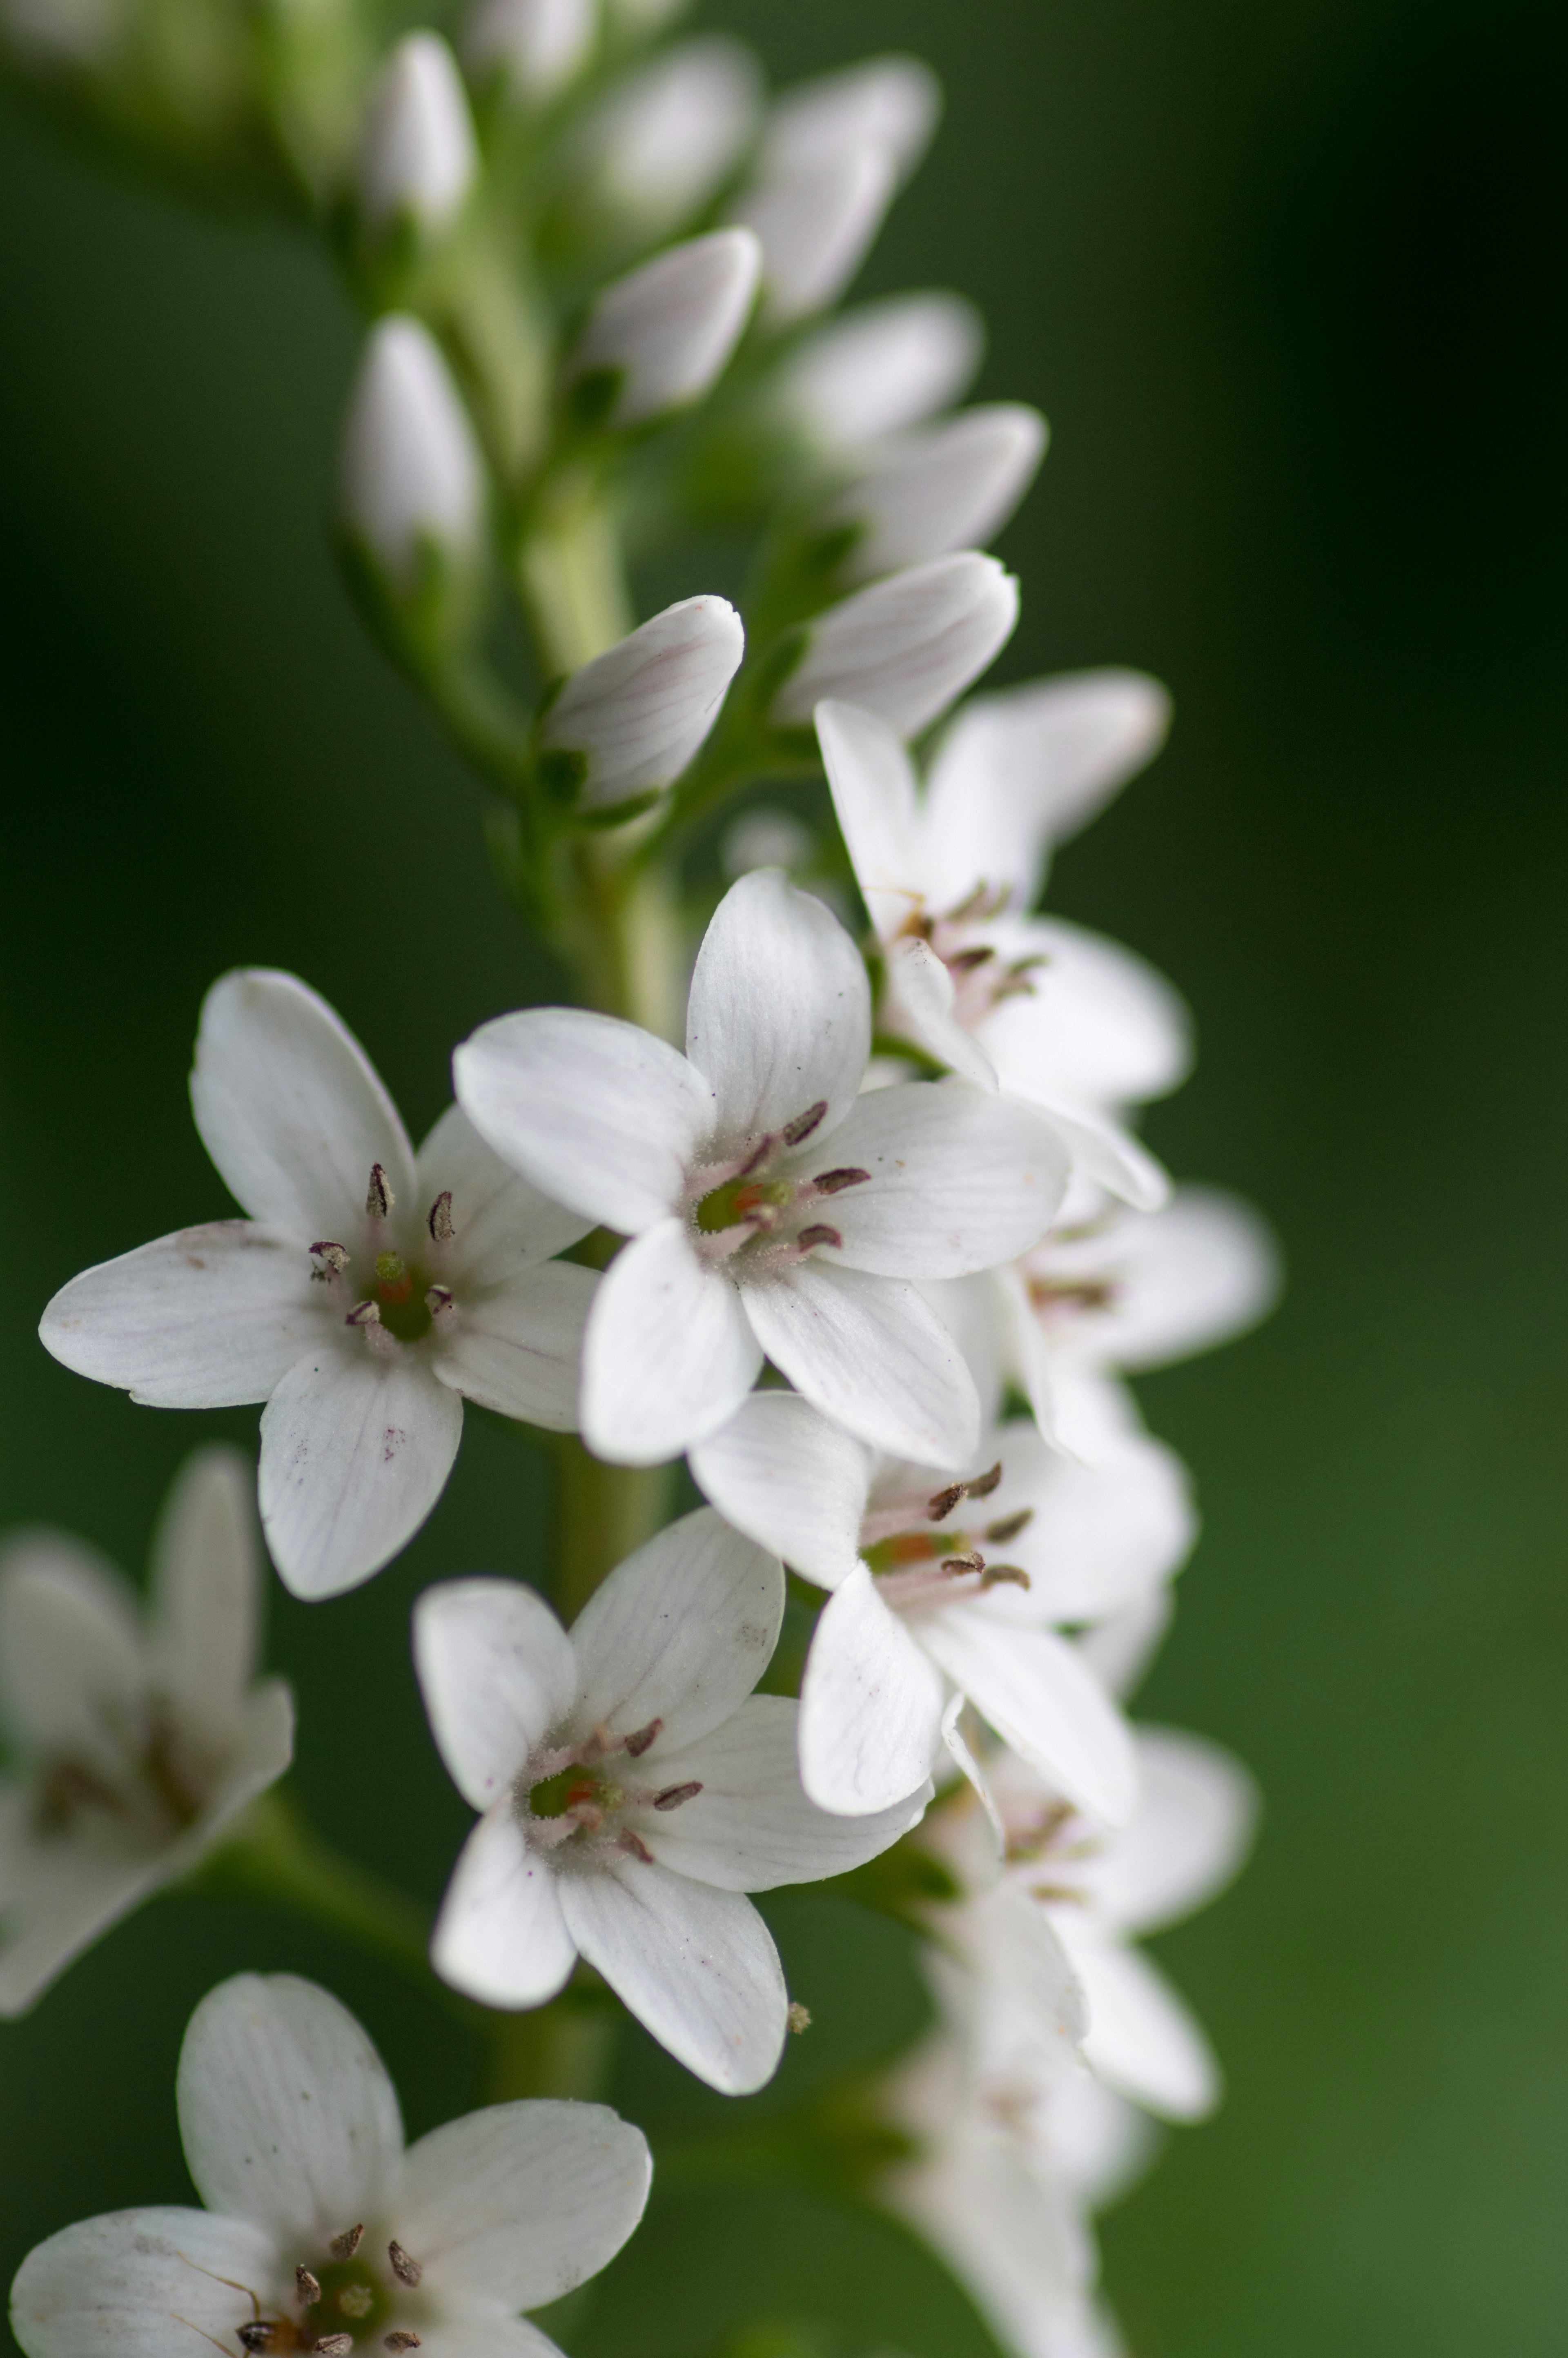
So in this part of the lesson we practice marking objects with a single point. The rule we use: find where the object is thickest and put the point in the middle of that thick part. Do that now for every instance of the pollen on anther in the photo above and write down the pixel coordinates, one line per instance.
(307, 2287)
(798, 1132)
(335, 1257)
(938, 1508)
(973, 1562)
(638, 1848)
(437, 1299)
(674, 1795)
(984, 1484)
(332, 2345)
(830, 1182)
(396, 2342)
(1009, 1575)
(440, 1221)
(637, 1745)
(406, 2269)
(344, 2246)
(256, 2336)
(820, 1233)
(1008, 1527)
(364, 1313)
(379, 1197)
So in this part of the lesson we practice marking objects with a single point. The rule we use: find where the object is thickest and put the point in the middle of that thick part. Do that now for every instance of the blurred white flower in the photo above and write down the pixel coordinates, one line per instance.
(630, 721)
(878, 369)
(947, 487)
(663, 139)
(63, 32)
(634, 1790)
(890, 102)
(368, 1292)
(668, 329)
(320, 2231)
(411, 475)
(766, 836)
(541, 46)
(135, 1740)
(418, 155)
(904, 647)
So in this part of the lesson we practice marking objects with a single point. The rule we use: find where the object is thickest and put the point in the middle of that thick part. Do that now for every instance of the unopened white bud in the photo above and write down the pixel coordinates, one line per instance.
(541, 46)
(817, 223)
(666, 138)
(411, 470)
(635, 717)
(669, 328)
(950, 487)
(879, 369)
(906, 646)
(419, 156)
(892, 102)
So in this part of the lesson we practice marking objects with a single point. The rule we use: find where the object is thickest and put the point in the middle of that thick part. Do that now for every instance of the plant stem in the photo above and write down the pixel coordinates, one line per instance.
(603, 1514)
(563, 2048)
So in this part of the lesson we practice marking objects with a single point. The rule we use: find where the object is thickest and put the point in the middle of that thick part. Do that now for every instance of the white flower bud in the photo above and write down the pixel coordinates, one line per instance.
(892, 102)
(63, 32)
(411, 470)
(541, 46)
(638, 713)
(907, 646)
(666, 138)
(817, 223)
(669, 328)
(419, 156)
(879, 369)
(950, 487)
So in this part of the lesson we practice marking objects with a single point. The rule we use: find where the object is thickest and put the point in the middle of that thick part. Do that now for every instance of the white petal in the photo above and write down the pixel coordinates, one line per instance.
(637, 713)
(211, 1317)
(518, 1349)
(290, 1107)
(1098, 1535)
(666, 138)
(873, 782)
(1197, 1813)
(1105, 1155)
(515, 2205)
(951, 486)
(1119, 1651)
(791, 1480)
(355, 1452)
(968, 1768)
(870, 1354)
(595, 1112)
(871, 1705)
(59, 1897)
(696, 1967)
(410, 474)
(497, 1672)
(1017, 773)
(72, 1670)
(816, 225)
(207, 1589)
(668, 1355)
(1038, 1697)
(880, 368)
(780, 1014)
(287, 2114)
(1142, 2040)
(139, 2284)
(906, 646)
(669, 329)
(501, 1937)
(420, 155)
(541, 45)
(1181, 1280)
(502, 1225)
(959, 1181)
(481, 2334)
(1098, 1026)
(893, 102)
(922, 990)
(680, 1633)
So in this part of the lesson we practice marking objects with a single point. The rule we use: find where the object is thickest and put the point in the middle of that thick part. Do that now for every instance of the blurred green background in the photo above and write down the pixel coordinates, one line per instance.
(1288, 282)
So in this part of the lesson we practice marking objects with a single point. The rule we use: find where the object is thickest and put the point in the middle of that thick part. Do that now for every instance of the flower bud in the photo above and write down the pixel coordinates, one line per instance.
(892, 102)
(62, 32)
(668, 329)
(950, 487)
(817, 223)
(630, 721)
(879, 368)
(419, 156)
(906, 646)
(540, 46)
(666, 138)
(411, 470)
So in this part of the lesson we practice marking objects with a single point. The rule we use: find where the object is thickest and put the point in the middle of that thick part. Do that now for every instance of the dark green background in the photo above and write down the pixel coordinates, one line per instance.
(1288, 281)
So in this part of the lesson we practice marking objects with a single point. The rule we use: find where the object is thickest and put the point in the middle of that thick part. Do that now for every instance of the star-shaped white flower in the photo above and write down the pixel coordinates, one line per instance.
(320, 2231)
(773, 1209)
(962, 1585)
(634, 1790)
(367, 1293)
(135, 1739)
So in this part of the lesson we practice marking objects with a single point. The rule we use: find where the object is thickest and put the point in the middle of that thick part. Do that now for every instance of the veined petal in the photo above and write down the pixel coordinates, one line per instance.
(58, 1898)
(1197, 1813)
(287, 2114)
(816, 225)
(599, 1115)
(1196, 1273)
(500, 1936)
(497, 1672)
(791, 1480)
(638, 712)
(207, 1589)
(922, 989)
(139, 2284)
(1142, 2038)
(959, 1181)
(501, 1224)
(668, 329)
(668, 1355)
(871, 1355)
(873, 782)
(950, 486)
(1097, 1027)
(481, 2334)
(970, 1768)
(906, 646)
(72, 1670)
(211, 1317)
(518, 1348)
(513, 2206)
(1119, 1651)
(680, 1633)
(780, 1014)
(871, 1705)
(696, 1966)
(290, 1106)
(355, 1452)
(879, 368)
(1040, 1698)
(1106, 1155)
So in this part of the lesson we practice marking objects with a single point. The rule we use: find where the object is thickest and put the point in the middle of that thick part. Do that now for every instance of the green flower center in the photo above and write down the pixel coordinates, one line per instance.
(399, 1295)
(737, 1200)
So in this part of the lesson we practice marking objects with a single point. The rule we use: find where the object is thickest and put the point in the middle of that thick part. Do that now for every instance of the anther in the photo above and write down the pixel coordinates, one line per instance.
(344, 2246)
(379, 1197)
(674, 1795)
(968, 960)
(998, 1533)
(984, 1484)
(406, 2270)
(828, 1183)
(938, 1508)
(401, 2342)
(440, 1221)
(798, 2017)
(820, 1233)
(638, 1848)
(335, 1257)
(637, 1745)
(333, 2345)
(955, 1564)
(437, 1299)
(364, 1313)
(307, 2287)
(1011, 1575)
(257, 2335)
(798, 1132)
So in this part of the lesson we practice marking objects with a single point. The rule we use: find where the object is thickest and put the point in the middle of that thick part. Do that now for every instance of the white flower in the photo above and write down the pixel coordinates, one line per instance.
(905, 647)
(320, 2231)
(419, 156)
(366, 1294)
(541, 45)
(634, 1790)
(891, 102)
(629, 722)
(134, 1742)
(966, 1580)
(878, 369)
(772, 1209)
(1059, 1014)
(666, 138)
(950, 486)
(668, 329)
(410, 473)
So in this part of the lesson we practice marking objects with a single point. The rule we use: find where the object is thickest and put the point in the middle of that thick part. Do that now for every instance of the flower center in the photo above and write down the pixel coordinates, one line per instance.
(344, 2299)
(402, 1301)
(748, 1207)
(916, 1563)
(154, 1791)
(567, 1807)
(981, 979)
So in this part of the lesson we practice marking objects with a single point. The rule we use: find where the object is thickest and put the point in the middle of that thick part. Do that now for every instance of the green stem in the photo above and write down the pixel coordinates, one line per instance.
(604, 1513)
(563, 2048)
(572, 575)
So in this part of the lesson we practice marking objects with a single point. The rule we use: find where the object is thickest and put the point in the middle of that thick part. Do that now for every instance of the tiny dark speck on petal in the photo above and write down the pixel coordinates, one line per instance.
(194, 1261)
(391, 1441)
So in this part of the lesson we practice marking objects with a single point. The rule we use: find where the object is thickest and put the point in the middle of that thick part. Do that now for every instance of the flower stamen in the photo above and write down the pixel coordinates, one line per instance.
(379, 1197)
